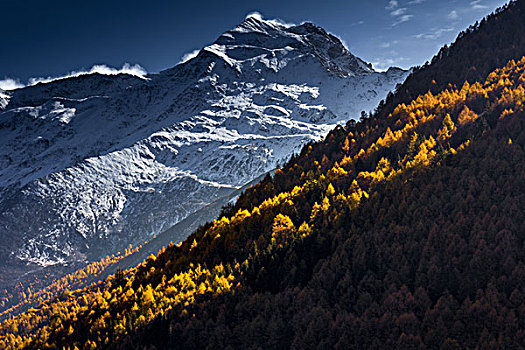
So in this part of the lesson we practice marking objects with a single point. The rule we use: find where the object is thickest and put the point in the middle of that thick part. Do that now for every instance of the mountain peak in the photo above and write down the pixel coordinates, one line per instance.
(272, 44)
(255, 22)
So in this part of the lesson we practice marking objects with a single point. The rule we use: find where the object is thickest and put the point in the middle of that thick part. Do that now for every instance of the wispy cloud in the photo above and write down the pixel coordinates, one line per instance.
(402, 19)
(476, 5)
(453, 15)
(416, 2)
(386, 45)
(434, 34)
(357, 23)
(392, 4)
(399, 13)
(189, 55)
(10, 84)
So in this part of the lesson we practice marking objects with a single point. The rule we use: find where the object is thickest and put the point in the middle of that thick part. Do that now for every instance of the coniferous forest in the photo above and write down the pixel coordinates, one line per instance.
(405, 230)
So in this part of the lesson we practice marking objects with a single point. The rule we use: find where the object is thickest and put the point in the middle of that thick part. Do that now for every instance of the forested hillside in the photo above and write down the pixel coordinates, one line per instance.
(405, 230)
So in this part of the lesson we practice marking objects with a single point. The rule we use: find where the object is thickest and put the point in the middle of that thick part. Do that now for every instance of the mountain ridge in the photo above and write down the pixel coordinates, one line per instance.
(82, 154)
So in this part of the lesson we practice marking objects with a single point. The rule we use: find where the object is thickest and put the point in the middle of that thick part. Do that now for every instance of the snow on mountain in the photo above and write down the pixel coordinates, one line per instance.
(4, 99)
(92, 163)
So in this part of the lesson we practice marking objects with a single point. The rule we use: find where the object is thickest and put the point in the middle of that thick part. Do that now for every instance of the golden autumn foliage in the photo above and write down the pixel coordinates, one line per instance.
(144, 305)
(466, 116)
(70, 281)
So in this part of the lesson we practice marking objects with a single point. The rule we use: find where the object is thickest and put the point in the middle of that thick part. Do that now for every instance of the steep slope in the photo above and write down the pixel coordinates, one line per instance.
(398, 232)
(91, 163)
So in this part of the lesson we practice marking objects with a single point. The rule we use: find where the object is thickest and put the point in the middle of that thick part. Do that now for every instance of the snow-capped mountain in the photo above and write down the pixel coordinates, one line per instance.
(92, 163)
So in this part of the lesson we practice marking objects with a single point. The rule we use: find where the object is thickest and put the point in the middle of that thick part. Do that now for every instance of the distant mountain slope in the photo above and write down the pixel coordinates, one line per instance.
(91, 163)
(32, 292)
(400, 232)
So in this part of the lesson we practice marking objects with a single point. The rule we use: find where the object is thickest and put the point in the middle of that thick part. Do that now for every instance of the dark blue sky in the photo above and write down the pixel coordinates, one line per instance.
(52, 38)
